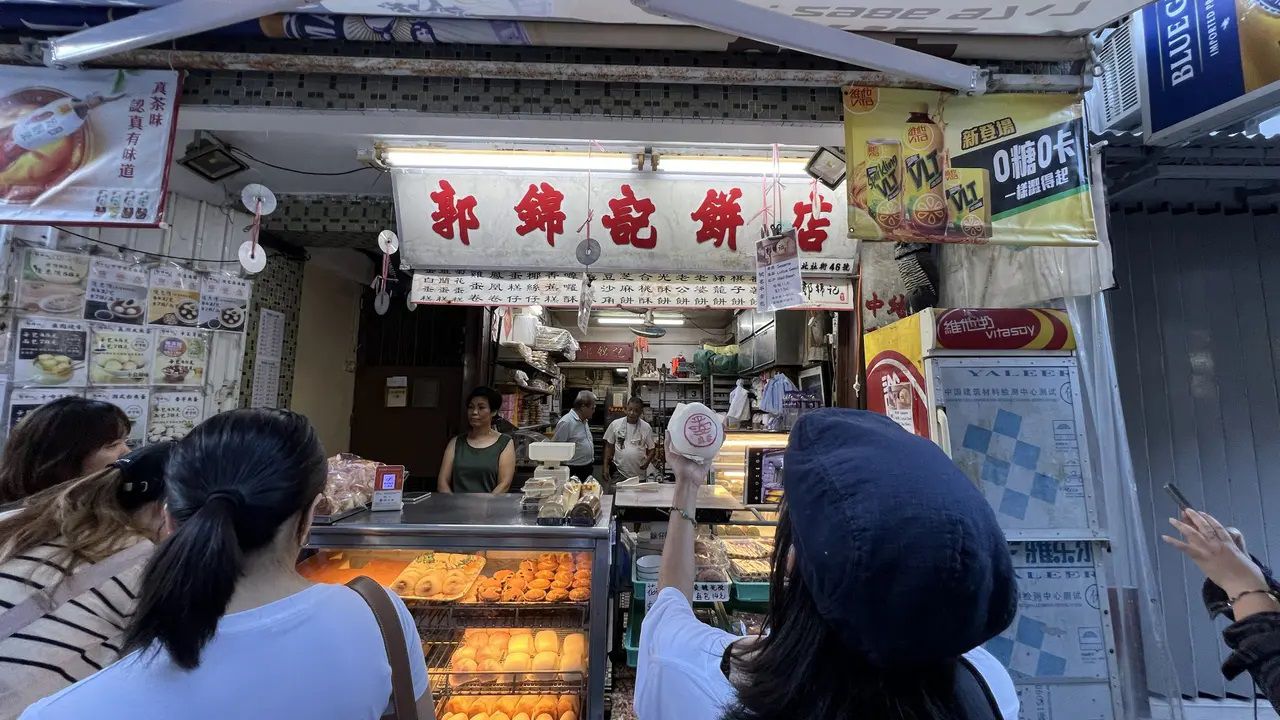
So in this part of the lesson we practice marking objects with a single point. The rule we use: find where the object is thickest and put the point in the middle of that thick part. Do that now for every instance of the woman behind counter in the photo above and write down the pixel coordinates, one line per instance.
(483, 460)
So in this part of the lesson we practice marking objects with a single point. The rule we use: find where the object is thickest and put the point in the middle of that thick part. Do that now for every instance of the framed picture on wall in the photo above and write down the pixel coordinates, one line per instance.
(648, 368)
(811, 379)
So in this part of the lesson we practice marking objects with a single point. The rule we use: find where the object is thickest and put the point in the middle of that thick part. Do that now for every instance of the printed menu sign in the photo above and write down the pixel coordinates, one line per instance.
(173, 415)
(224, 302)
(179, 357)
(50, 352)
(23, 401)
(174, 298)
(117, 292)
(134, 403)
(778, 282)
(119, 355)
(52, 282)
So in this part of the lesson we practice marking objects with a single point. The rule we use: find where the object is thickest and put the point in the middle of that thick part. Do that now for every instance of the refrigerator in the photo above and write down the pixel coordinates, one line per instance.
(999, 391)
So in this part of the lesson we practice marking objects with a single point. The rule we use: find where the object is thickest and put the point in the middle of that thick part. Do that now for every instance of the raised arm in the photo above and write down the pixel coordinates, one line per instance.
(677, 569)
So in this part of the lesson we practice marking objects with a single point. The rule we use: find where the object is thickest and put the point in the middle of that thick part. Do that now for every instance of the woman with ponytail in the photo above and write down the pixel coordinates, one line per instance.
(225, 626)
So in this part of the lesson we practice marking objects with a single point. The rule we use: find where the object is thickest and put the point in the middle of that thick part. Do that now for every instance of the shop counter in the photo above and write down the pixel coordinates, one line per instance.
(510, 613)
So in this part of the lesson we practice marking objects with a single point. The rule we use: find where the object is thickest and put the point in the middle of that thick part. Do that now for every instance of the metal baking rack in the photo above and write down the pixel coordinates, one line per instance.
(439, 645)
(544, 616)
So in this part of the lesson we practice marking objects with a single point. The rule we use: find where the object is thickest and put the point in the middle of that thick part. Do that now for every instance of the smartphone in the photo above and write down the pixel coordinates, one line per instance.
(1178, 497)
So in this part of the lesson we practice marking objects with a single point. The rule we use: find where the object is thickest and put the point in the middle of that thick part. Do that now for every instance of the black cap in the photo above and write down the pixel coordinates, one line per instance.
(901, 551)
(142, 475)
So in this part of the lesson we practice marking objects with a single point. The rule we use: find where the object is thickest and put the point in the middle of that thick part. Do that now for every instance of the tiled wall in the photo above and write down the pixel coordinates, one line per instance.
(278, 287)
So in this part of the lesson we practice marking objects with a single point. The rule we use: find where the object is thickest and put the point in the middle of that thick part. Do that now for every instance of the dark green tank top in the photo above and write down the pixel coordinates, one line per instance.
(476, 470)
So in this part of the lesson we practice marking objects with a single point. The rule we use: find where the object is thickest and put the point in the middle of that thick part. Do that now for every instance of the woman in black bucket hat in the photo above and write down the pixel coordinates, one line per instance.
(889, 572)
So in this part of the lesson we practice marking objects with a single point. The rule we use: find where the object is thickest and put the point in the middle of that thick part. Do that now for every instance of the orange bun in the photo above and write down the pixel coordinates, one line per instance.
(535, 595)
(502, 575)
(540, 584)
(544, 574)
(490, 594)
(579, 594)
(557, 595)
(512, 594)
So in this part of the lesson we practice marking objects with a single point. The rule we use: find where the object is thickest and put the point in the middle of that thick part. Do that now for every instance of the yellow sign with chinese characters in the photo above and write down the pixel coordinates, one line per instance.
(927, 166)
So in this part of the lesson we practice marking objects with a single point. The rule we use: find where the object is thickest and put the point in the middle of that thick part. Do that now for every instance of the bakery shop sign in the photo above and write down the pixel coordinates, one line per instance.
(644, 221)
(85, 147)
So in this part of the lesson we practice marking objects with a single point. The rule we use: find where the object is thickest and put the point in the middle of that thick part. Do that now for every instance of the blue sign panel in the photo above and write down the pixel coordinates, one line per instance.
(1193, 58)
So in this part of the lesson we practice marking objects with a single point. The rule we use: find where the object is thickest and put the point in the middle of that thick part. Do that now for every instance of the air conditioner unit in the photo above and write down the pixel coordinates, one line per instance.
(1115, 100)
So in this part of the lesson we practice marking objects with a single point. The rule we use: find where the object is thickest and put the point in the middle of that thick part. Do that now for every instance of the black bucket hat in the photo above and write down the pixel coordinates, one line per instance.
(902, 553)
(142, 475)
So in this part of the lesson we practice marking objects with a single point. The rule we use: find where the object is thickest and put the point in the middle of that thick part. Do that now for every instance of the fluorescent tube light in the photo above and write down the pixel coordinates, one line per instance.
(711, 165)
(638, 320)
(505, 159)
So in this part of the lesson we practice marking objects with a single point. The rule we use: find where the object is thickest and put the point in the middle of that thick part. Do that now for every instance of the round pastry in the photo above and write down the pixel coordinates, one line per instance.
(502, 575)
(571, 664)
(547, 557)
(546, 703)
(580, 583)
(507, 705)
(582, 573)
(520, 645)
(455, 583)
(462, 671)
(564, 567)
(526, 565)
(544, 574)
(565, 576)
(458, 705)
(482, 704)
(516, 583)
(535, 595)
(480, 716)
(539, 584)
(525, 705)
(430, 585)
(499, 715)
(520, 716)
(557, 595)
(574, 644)
(512, 594)
(546, 641)
(462, 653)
(540, 716)
(491, 666)
(560, 584)
(499, 637)
(567, 703)
(490, 594)
(579, 594)
(568, 715)
(489, 652)
(477, 639)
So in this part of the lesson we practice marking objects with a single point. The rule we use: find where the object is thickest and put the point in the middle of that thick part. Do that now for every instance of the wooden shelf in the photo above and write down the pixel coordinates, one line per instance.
(517, 363)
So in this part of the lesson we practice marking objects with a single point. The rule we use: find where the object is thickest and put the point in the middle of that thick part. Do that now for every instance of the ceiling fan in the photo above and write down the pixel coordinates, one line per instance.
(648, 329)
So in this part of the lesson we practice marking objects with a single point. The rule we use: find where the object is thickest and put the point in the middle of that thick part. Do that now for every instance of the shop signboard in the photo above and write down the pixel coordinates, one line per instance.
(605, 352)
(1004, 168)
(660, 291)
(1207, 64)
(85, 147)
(1003, 329)
(645, 221)
(895, 374)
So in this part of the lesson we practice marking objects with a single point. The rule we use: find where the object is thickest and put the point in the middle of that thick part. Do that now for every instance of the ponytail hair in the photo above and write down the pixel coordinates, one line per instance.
(231, 484)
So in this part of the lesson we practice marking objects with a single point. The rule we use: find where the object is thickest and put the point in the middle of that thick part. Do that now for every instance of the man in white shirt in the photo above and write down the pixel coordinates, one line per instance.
(628, 444)
(573, 428)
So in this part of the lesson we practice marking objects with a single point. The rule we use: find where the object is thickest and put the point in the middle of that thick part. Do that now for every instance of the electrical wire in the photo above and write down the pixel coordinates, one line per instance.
(339, 173)
(162, 256)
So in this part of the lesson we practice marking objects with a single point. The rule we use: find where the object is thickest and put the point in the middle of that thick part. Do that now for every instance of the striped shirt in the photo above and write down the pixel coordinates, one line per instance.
(71, 643)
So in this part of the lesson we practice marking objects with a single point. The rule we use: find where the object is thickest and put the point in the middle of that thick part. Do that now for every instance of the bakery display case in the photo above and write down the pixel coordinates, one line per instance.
(512, 615)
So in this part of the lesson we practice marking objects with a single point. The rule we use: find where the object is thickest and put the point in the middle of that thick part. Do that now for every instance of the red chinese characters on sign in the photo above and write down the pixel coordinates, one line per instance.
(539, 209)
(721, 216)
(898, 305)
(629, 218)
(812, 234)
(874, 304)
(604, 352)
(700, 430)
(450, 209)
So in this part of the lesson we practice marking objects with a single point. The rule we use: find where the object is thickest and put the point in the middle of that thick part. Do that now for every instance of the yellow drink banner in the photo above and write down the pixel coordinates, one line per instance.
(929, 166)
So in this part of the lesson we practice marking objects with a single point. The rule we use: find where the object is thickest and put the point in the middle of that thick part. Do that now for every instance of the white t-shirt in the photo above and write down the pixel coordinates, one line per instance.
(678, 673)
(632, 444)
(316, 654)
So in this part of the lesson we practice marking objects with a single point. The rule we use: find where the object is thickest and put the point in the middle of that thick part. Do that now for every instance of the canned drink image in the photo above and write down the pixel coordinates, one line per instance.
(1258, 25)
(968, 207)
(925, 201)
(884, 184)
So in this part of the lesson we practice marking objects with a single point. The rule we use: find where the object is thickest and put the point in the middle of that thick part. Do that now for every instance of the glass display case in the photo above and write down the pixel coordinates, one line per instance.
(512, 614)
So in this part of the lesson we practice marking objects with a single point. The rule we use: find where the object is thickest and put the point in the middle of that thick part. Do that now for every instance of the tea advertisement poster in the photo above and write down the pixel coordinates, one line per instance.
(224, 302)
(51, 352)
(85, 147)
(119, 355)
(174, 298)
(135, 403)
(117, 292)
(927, 166)
(52, 282)
(22, 401)
(180, 357)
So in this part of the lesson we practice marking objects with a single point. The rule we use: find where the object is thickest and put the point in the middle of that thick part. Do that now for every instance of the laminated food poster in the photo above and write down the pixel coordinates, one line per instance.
(51, 352)
(173, 414)
(179, 357)
(52, 282)
(224, 302)
(134, 402)
(22, 401)
(1002, 168)
(117, 292)
(174, 298)
(119, 354)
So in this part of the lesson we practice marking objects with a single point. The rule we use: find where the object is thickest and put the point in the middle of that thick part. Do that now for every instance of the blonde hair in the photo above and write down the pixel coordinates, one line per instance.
(84, 515)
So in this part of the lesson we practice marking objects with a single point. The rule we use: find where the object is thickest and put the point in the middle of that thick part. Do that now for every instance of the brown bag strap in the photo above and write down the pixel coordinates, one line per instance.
(403, 702)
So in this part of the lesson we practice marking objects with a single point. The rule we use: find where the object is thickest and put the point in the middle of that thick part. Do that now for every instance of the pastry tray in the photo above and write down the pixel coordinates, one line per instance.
(473, 574)
(439, 646)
